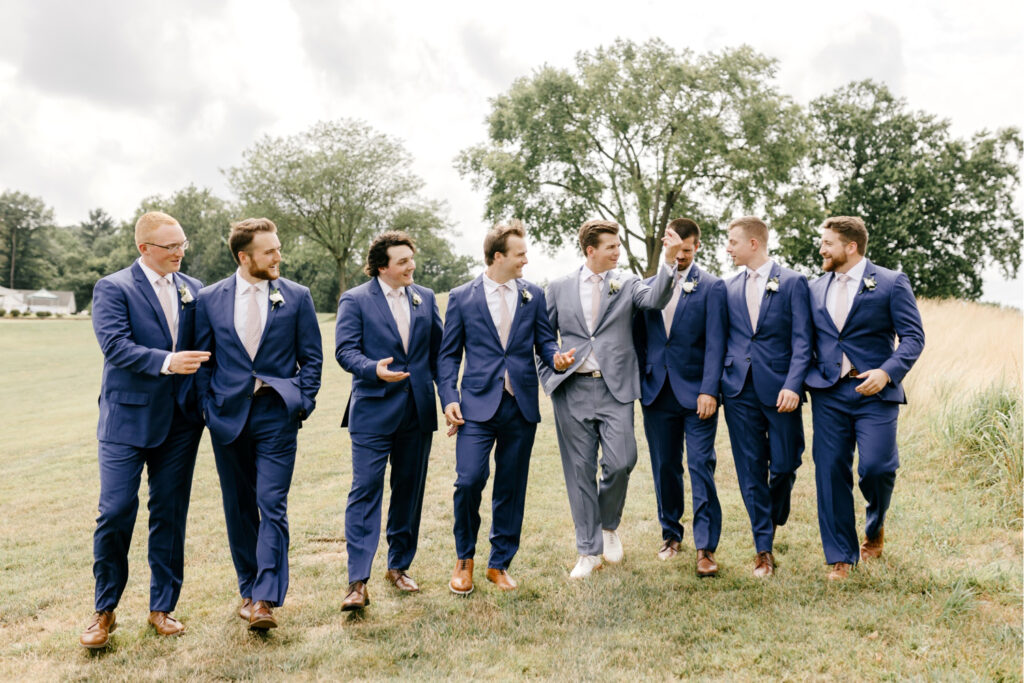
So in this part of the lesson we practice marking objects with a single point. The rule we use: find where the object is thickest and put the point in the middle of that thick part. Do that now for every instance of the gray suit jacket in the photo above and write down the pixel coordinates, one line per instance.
(612, 339)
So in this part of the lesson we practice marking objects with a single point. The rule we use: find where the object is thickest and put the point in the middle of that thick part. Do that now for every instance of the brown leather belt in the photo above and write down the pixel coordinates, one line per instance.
(595, 373)
(265, 390)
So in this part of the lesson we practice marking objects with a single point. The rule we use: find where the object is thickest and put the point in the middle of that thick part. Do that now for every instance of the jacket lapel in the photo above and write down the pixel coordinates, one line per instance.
(768, 296)
(149, 295)
(862, 291)
(377, 294)
(518, 304)
(819, 295)
(606, 296)
(478, 295)
(271, 311)
(684, 298)
(416, 312)
(737, 301)
(572, 283)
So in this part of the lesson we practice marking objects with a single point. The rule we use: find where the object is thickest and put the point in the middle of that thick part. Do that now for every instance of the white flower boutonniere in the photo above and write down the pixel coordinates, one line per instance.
(185, 295)
(689, 286)
(773, 284)
(614, 286)
(276, 298)
(525, 294)
(416, 300)
(869, 284)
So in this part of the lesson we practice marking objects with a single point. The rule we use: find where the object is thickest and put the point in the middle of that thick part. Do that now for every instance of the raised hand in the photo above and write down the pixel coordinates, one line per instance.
(672, 245)
(563, 361)
(389, 375)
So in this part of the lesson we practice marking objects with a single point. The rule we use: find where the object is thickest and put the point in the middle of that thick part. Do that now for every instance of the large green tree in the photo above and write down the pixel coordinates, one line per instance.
(640, 134)
(93, 248)
(27, 248)
(938, 208)
(334, 185)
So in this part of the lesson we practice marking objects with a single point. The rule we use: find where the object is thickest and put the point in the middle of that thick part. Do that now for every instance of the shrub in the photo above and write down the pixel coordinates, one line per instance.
(3, 312)
(43, 314)
(983, 437)
(15, 313)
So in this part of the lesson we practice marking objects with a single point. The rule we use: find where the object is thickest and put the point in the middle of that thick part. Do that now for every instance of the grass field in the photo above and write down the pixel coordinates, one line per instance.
(944, 602)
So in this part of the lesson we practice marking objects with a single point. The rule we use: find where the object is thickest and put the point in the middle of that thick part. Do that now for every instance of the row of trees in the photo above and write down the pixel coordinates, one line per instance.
(642, 134)
(637, 133)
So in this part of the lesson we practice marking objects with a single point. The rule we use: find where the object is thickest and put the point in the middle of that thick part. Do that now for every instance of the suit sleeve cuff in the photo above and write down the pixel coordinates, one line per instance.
(165, 368)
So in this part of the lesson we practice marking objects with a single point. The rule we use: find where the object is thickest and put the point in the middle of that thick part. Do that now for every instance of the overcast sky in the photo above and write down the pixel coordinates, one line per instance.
(103, 103)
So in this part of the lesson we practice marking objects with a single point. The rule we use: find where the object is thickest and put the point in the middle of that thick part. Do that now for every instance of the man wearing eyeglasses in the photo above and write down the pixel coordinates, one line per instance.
(144, 317)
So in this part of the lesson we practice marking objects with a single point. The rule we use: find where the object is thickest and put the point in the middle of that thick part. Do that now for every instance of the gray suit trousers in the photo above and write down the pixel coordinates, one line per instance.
(586, 415)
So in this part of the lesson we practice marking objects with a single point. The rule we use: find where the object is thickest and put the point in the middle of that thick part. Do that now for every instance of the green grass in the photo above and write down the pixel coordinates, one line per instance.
(944, 602)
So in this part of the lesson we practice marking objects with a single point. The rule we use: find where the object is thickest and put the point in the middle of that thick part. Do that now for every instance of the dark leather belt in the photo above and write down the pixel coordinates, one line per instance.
(852, 374)
(265, 390)
(595, 373)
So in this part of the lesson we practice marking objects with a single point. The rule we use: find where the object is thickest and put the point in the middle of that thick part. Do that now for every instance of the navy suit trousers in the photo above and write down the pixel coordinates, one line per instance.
(255, 474)
(667, 424)
(511, 437)
(843, 418)
(169, 467)
(766, 446)
(409, 449)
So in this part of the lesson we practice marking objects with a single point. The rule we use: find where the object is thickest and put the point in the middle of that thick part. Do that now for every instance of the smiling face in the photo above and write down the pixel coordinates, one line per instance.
(262, 258)
(605, 255)
(836, 255)
(401, 264)
(162, 259)
(687, 252)
(509, 265)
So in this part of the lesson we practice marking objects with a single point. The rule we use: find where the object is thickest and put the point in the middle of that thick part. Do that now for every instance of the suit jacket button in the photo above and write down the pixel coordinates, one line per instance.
(747, 359)
(249, 397)
(406, 388)
(591, 339)
(253, 373)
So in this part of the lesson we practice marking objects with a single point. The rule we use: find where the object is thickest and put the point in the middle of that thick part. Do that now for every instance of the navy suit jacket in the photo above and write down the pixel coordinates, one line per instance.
(877, 315)
(289, 358)
(136, 401)
(778, 354)
(365, 333)
(690, 359)
(468, 327)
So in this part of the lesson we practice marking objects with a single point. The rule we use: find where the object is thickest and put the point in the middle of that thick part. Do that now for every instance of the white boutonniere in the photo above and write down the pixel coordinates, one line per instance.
(185, 296)
(689, 286)
(276, 298)
(773, 284)
(416, 300)
(869, 284)
(614, 286)
(525, 294)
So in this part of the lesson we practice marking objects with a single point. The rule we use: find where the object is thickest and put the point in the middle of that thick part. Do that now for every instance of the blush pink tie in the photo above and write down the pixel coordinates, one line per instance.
(167, 301)
(401, 311)
(753, 298)
(840, 311)
(504, 327)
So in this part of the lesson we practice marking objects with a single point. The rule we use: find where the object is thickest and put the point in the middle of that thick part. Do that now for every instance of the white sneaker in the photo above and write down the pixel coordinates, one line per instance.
(612, 547)
(585, 566)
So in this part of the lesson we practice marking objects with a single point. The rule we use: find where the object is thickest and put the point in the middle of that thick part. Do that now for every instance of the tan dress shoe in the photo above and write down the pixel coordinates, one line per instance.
(840, 571)
(402, 581)
(358, 597)
(165, 624)
(262, 617)
(871, 548)
(501, 579)
(98, 633)
(669, 549)
(764, 565)
(706, 565)
(245, 609)
(462, 577)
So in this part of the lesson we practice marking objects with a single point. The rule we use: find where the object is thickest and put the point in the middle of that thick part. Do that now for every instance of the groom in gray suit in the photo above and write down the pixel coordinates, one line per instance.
(592, 310)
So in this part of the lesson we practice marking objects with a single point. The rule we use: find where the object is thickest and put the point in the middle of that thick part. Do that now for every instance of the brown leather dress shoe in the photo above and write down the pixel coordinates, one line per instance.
(669, 549)
(358, 597)
(402, 581)
(245, 609)
(840, 571)
(165, 624)
(764, 565)
(706, 565)
(262, 617)
(462, 577)
(98, 633)
(501, 579)
(871, 548)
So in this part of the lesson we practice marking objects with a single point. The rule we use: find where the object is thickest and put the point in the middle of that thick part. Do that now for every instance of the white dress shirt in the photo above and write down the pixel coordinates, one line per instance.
(763, 272)
(586, 291)
(494, 300)
(242, 295)
(396, 301)
(153, 276)
(852, 287)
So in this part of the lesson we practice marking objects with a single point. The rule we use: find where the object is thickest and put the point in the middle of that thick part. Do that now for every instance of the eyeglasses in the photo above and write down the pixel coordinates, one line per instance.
(177, 246)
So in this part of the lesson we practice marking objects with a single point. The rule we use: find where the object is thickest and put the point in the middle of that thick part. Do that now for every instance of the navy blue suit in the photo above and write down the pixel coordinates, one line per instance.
(494, 418)
(843, 418)
(254, 436)
(395, 419)
(146, 419)
(675, 369)
(766, 445)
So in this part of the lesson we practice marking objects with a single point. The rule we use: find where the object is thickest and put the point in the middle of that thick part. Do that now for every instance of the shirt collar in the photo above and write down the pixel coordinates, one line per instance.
(586, 273)
(683, 274)
(764, 271)
(152, 275)
(857, 272)
(387, 289)
(242, 285)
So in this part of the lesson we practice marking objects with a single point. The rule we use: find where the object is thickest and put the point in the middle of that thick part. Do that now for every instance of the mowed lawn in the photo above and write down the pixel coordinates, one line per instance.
(944, 602)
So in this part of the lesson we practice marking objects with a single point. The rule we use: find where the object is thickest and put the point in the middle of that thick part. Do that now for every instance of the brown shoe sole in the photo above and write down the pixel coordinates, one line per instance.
(458, 592)
(100, 646)
(264, 624)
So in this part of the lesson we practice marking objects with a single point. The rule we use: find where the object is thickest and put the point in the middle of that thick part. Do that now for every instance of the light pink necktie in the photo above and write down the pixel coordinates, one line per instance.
(253, 326)
(669, 312)
(401, 311)
(840, 311)
(504, 327)
(595, 299)
(166, 296)
(754, 294)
